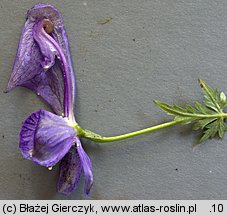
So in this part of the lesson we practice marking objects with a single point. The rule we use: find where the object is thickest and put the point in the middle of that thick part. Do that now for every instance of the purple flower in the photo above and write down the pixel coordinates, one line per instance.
(43, 64)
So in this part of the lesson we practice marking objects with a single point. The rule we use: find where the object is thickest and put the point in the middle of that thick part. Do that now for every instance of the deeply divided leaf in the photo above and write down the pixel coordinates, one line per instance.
(208, 117)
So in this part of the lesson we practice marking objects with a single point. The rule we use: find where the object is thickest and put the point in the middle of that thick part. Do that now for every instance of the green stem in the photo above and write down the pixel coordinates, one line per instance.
(98, 138)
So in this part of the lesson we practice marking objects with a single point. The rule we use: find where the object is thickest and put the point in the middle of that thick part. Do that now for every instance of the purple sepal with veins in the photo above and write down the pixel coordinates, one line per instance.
(43, 65)
(71, 167)
(45, 138)
(28, 70)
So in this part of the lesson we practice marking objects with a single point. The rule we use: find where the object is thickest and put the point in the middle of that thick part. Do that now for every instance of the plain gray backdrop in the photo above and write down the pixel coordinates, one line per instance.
(125, 54)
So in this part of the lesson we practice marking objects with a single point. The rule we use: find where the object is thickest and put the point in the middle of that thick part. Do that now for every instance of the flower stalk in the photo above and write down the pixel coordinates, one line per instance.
(83, 133)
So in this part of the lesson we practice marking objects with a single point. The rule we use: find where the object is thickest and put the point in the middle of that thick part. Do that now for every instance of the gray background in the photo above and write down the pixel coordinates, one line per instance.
(149, 50)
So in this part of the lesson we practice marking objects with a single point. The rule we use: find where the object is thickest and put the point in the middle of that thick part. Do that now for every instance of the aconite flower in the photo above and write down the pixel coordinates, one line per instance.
(43, 65)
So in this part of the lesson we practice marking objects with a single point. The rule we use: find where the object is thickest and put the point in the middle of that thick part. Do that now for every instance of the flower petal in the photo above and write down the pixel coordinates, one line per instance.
(45, 138)
(87, 167)
(28, 68)
(69, 172)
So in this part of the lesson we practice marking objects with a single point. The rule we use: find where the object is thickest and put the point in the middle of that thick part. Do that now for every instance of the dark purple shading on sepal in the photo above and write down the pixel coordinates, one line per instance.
(87, 167)
(69, 172)
(28, 71)
(45, 138)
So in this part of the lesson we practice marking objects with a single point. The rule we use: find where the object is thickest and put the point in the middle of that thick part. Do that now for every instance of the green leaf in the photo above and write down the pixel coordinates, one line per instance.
(211, 96)
(200, 124)
(187, 114)
(214, 100)
(215, 128)
(208, 117)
